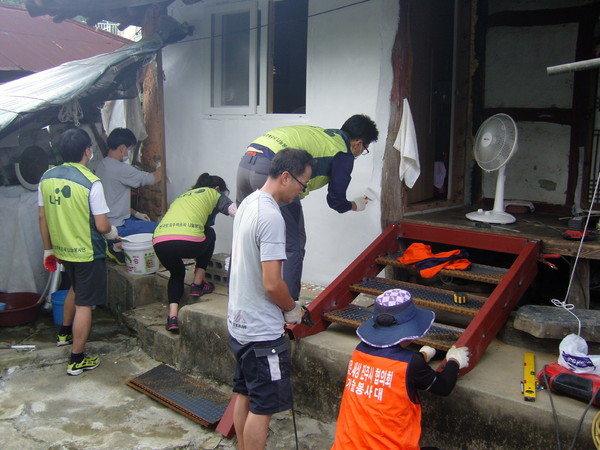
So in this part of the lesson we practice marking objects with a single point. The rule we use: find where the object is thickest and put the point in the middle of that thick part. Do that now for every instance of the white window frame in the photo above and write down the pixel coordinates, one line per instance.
(220, 10)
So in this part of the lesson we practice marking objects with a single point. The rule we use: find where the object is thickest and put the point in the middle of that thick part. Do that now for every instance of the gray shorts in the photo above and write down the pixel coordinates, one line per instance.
(88, 280)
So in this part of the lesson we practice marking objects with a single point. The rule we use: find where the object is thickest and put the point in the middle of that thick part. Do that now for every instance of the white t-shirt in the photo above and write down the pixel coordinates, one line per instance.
(97, 201)
(118, 178)
(258, 235)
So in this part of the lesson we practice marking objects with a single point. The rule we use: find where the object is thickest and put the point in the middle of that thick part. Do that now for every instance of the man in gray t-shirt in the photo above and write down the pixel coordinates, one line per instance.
(259, 300)
(118, 177)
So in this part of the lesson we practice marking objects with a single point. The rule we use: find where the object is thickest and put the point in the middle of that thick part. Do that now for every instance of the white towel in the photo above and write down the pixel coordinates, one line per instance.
(406, 144)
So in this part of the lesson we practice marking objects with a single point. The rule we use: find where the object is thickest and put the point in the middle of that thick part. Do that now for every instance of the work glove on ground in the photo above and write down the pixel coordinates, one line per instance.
(427, 352)
(112, 235)
(360, 202)
(141, 216)
(460, 355)
(50, 261)
(295, 315)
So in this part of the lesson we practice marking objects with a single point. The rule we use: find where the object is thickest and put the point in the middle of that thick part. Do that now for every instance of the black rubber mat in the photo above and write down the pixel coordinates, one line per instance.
(439, 336)
(186, 395)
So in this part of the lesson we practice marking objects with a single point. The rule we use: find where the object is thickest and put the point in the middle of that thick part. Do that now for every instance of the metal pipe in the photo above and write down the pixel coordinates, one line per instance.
(574, 67)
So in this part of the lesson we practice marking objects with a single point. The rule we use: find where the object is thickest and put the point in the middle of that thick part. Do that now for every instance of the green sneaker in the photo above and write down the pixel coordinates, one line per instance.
(115, 256)
(64, 339)
(88, 363)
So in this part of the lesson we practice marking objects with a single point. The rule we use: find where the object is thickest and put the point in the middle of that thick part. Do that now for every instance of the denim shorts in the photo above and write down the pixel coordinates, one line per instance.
(262, 373)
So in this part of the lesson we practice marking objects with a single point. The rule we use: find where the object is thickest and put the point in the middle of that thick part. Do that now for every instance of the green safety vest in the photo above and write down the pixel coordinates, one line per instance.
(189, 213)
(65, 192)
(322, 144)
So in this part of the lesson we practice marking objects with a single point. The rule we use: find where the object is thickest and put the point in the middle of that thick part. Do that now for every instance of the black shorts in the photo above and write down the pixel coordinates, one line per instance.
(88, 280)
(263, 373)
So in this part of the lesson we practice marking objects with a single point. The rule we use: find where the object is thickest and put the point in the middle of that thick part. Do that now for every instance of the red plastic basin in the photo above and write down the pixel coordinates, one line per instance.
(21, 308)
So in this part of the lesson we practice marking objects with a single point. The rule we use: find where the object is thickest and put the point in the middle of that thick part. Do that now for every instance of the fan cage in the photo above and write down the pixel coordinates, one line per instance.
(495, 142)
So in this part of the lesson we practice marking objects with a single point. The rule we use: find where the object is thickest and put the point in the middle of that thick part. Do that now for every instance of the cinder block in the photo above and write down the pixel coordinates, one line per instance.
(218, 278)
(216, 271)
(218, 261)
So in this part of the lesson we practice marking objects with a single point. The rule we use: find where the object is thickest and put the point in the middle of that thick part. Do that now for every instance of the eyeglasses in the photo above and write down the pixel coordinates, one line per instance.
(299, 182)
(365, 151)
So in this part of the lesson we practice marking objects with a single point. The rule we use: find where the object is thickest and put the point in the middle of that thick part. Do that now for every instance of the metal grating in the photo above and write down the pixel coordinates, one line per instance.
(478, 272)
(186, 395)
(439, 336)
(422, 295)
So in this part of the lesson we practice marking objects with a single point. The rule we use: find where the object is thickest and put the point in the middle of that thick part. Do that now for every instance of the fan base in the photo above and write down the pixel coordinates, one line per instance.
(491, 216)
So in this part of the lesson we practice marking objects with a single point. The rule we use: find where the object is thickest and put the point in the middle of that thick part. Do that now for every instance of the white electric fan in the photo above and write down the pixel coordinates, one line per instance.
(495, 144)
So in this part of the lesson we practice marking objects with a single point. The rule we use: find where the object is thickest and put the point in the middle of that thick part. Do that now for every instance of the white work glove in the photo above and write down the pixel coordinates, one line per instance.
(427, 352)
(295, 315)
(361, 203)
(232, 210)
(141, 216)
(50, 261)
(460, 355)
(112, 235)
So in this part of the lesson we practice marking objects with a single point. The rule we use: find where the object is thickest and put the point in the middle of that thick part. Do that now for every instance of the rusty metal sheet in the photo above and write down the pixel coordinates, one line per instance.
(186, 395)
(31, 44)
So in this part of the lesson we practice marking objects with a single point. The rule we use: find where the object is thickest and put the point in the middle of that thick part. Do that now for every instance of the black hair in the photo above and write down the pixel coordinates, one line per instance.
(360, 126)
(291, 160)
(120, 136)
(73, 143)
(211, 181)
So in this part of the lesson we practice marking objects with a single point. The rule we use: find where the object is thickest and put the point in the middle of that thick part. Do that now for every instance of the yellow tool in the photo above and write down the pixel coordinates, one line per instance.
(460, 298)
(528, 385)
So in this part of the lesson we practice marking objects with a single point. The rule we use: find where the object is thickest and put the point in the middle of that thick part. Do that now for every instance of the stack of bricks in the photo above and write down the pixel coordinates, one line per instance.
(217, 271)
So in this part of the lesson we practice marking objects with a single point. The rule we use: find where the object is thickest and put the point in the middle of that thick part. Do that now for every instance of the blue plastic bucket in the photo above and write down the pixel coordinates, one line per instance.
(58, 301)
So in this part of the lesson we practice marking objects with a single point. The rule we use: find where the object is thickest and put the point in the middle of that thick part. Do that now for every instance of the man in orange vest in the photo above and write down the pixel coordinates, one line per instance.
(380, 406)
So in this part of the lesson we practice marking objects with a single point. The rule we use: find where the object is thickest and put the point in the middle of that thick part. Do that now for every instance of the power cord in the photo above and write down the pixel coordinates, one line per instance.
(568, 307)
(556, 427)
(596, 430)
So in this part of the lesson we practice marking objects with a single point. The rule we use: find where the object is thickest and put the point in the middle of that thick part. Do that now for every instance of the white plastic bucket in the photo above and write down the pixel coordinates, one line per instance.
(139, 254)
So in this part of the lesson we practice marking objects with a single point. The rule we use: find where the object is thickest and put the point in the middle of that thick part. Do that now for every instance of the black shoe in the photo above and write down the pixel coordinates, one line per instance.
(118, 257)
(198, 290)
(172, 324)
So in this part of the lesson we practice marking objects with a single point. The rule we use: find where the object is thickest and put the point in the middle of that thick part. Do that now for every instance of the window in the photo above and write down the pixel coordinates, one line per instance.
(258, 57)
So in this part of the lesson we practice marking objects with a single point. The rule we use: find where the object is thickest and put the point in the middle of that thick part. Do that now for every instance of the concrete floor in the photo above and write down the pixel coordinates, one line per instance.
(41, 407)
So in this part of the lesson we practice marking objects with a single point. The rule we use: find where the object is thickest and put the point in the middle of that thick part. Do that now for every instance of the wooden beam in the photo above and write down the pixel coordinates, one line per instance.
(551, 115)
(392, 189)
(543, 17)
(153, 199)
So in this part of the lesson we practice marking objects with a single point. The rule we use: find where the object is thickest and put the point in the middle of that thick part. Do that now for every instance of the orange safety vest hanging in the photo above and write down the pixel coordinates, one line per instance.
(429, 263)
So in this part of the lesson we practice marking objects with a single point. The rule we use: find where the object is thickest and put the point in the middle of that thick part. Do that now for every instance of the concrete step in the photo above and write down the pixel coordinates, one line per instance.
(484, 405)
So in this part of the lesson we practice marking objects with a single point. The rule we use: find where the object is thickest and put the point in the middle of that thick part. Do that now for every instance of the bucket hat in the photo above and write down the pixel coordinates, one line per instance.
(395, 319)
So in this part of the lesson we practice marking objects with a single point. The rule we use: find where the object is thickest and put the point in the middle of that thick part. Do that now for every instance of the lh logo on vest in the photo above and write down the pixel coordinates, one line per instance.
(65, 191)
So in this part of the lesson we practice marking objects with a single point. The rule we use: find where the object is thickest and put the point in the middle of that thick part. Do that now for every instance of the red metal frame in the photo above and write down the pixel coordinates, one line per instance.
(492, 316)
(337, 294)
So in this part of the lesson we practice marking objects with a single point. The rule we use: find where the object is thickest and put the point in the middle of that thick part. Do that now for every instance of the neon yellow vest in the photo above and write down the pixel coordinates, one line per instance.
(188, 214)
(322, 144)
(65, 192)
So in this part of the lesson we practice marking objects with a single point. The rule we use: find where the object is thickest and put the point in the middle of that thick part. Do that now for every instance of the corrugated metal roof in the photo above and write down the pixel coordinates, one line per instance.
(34, 44)
(99, 78)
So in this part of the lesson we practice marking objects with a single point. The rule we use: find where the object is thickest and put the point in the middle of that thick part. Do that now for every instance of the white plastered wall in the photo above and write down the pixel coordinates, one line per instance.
(348, 72)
